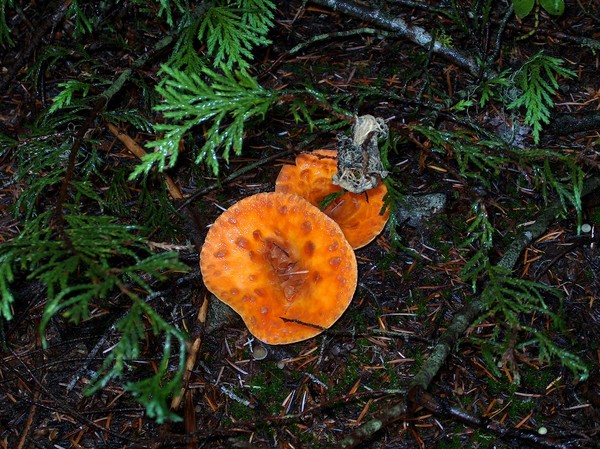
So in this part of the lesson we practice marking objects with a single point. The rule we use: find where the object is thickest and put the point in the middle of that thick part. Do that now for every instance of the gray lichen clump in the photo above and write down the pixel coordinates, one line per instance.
(359, 160)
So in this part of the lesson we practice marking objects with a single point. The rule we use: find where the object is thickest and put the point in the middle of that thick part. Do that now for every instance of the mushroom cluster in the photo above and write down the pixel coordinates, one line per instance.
(286, 267)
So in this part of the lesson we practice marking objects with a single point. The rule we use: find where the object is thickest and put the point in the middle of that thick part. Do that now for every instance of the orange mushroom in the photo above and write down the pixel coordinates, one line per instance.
(280, 263)
(358, 214)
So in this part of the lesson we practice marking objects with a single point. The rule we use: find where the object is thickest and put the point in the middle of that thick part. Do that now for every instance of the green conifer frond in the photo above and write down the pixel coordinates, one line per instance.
(4, 29)
(185, 55)
(226, 102)
(511, 302)
(87, 269)
(568, 190)
(231, 30)
(538, 85)
(154, 391)
(476, 159)
(83, 25)
(556, 173)
(549, 350)
(164, 8)
(480, 234)
(130, 116)
(103, 257)
(65, 96)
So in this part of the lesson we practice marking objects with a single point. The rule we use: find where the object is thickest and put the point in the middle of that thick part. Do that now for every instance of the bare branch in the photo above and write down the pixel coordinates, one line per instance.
(415, 34)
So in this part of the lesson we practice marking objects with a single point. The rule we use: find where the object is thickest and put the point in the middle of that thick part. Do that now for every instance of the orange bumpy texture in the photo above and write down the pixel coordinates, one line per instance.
(274, 257)
(358, 214)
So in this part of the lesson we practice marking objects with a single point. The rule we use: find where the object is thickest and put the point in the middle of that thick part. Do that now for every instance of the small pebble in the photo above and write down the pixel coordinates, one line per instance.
(542, 431)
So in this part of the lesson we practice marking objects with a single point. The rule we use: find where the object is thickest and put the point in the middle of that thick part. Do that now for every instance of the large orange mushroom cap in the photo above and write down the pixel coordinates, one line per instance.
(280, 263)
(358, 214)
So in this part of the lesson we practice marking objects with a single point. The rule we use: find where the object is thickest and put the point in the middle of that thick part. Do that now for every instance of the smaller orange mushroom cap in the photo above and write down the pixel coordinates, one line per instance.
(280, 263)
(358, 214)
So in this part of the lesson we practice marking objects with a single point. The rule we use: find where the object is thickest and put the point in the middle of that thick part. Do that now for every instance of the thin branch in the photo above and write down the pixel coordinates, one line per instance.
(330, 36)
(498, 40)
(398, 26)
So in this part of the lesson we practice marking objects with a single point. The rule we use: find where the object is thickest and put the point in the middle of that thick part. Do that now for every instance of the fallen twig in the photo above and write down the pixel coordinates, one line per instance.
(415, 34)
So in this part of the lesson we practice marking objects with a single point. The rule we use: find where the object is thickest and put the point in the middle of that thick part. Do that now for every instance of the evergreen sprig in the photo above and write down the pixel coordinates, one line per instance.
(100, 255)
(537, 82)
(185, 55)
(83, 24)
(69, 90)
(4, 29)
(154, 391)
(481, 236)
(476, 158)
(225, 100)
(166, 8)
(232, 28)
(92, 259)
(556, 173)
(569, 190)
(511, 302)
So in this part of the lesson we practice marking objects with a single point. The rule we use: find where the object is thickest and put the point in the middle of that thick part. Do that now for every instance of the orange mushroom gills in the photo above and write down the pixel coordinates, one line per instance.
(357, 214)
(280, 263)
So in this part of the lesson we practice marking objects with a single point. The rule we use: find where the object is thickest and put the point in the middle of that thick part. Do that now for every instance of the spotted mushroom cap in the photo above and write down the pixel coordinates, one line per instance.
(358, 214)
(280, 263)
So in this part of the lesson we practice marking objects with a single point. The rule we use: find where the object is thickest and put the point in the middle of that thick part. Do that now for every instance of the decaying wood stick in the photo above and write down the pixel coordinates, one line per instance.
(415, 34)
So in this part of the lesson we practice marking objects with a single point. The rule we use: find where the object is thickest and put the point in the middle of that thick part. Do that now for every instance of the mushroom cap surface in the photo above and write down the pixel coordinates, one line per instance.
(358, 214)
(281, 264)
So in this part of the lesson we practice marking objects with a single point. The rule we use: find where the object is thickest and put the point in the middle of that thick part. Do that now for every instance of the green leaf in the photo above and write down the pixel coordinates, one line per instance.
(553, 7)
(523, 7)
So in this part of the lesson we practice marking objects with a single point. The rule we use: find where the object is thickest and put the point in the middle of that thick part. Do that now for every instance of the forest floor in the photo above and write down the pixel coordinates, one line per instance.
(314, 393)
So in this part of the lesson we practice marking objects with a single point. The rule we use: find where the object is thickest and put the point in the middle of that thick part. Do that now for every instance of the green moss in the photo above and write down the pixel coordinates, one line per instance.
(537, 380)
(358, 320)
(450, 443)
(500, 387)
(519, 407)
(269, 387)
(239, 411)
(485, 440)
(419, 357)
(346, 378)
